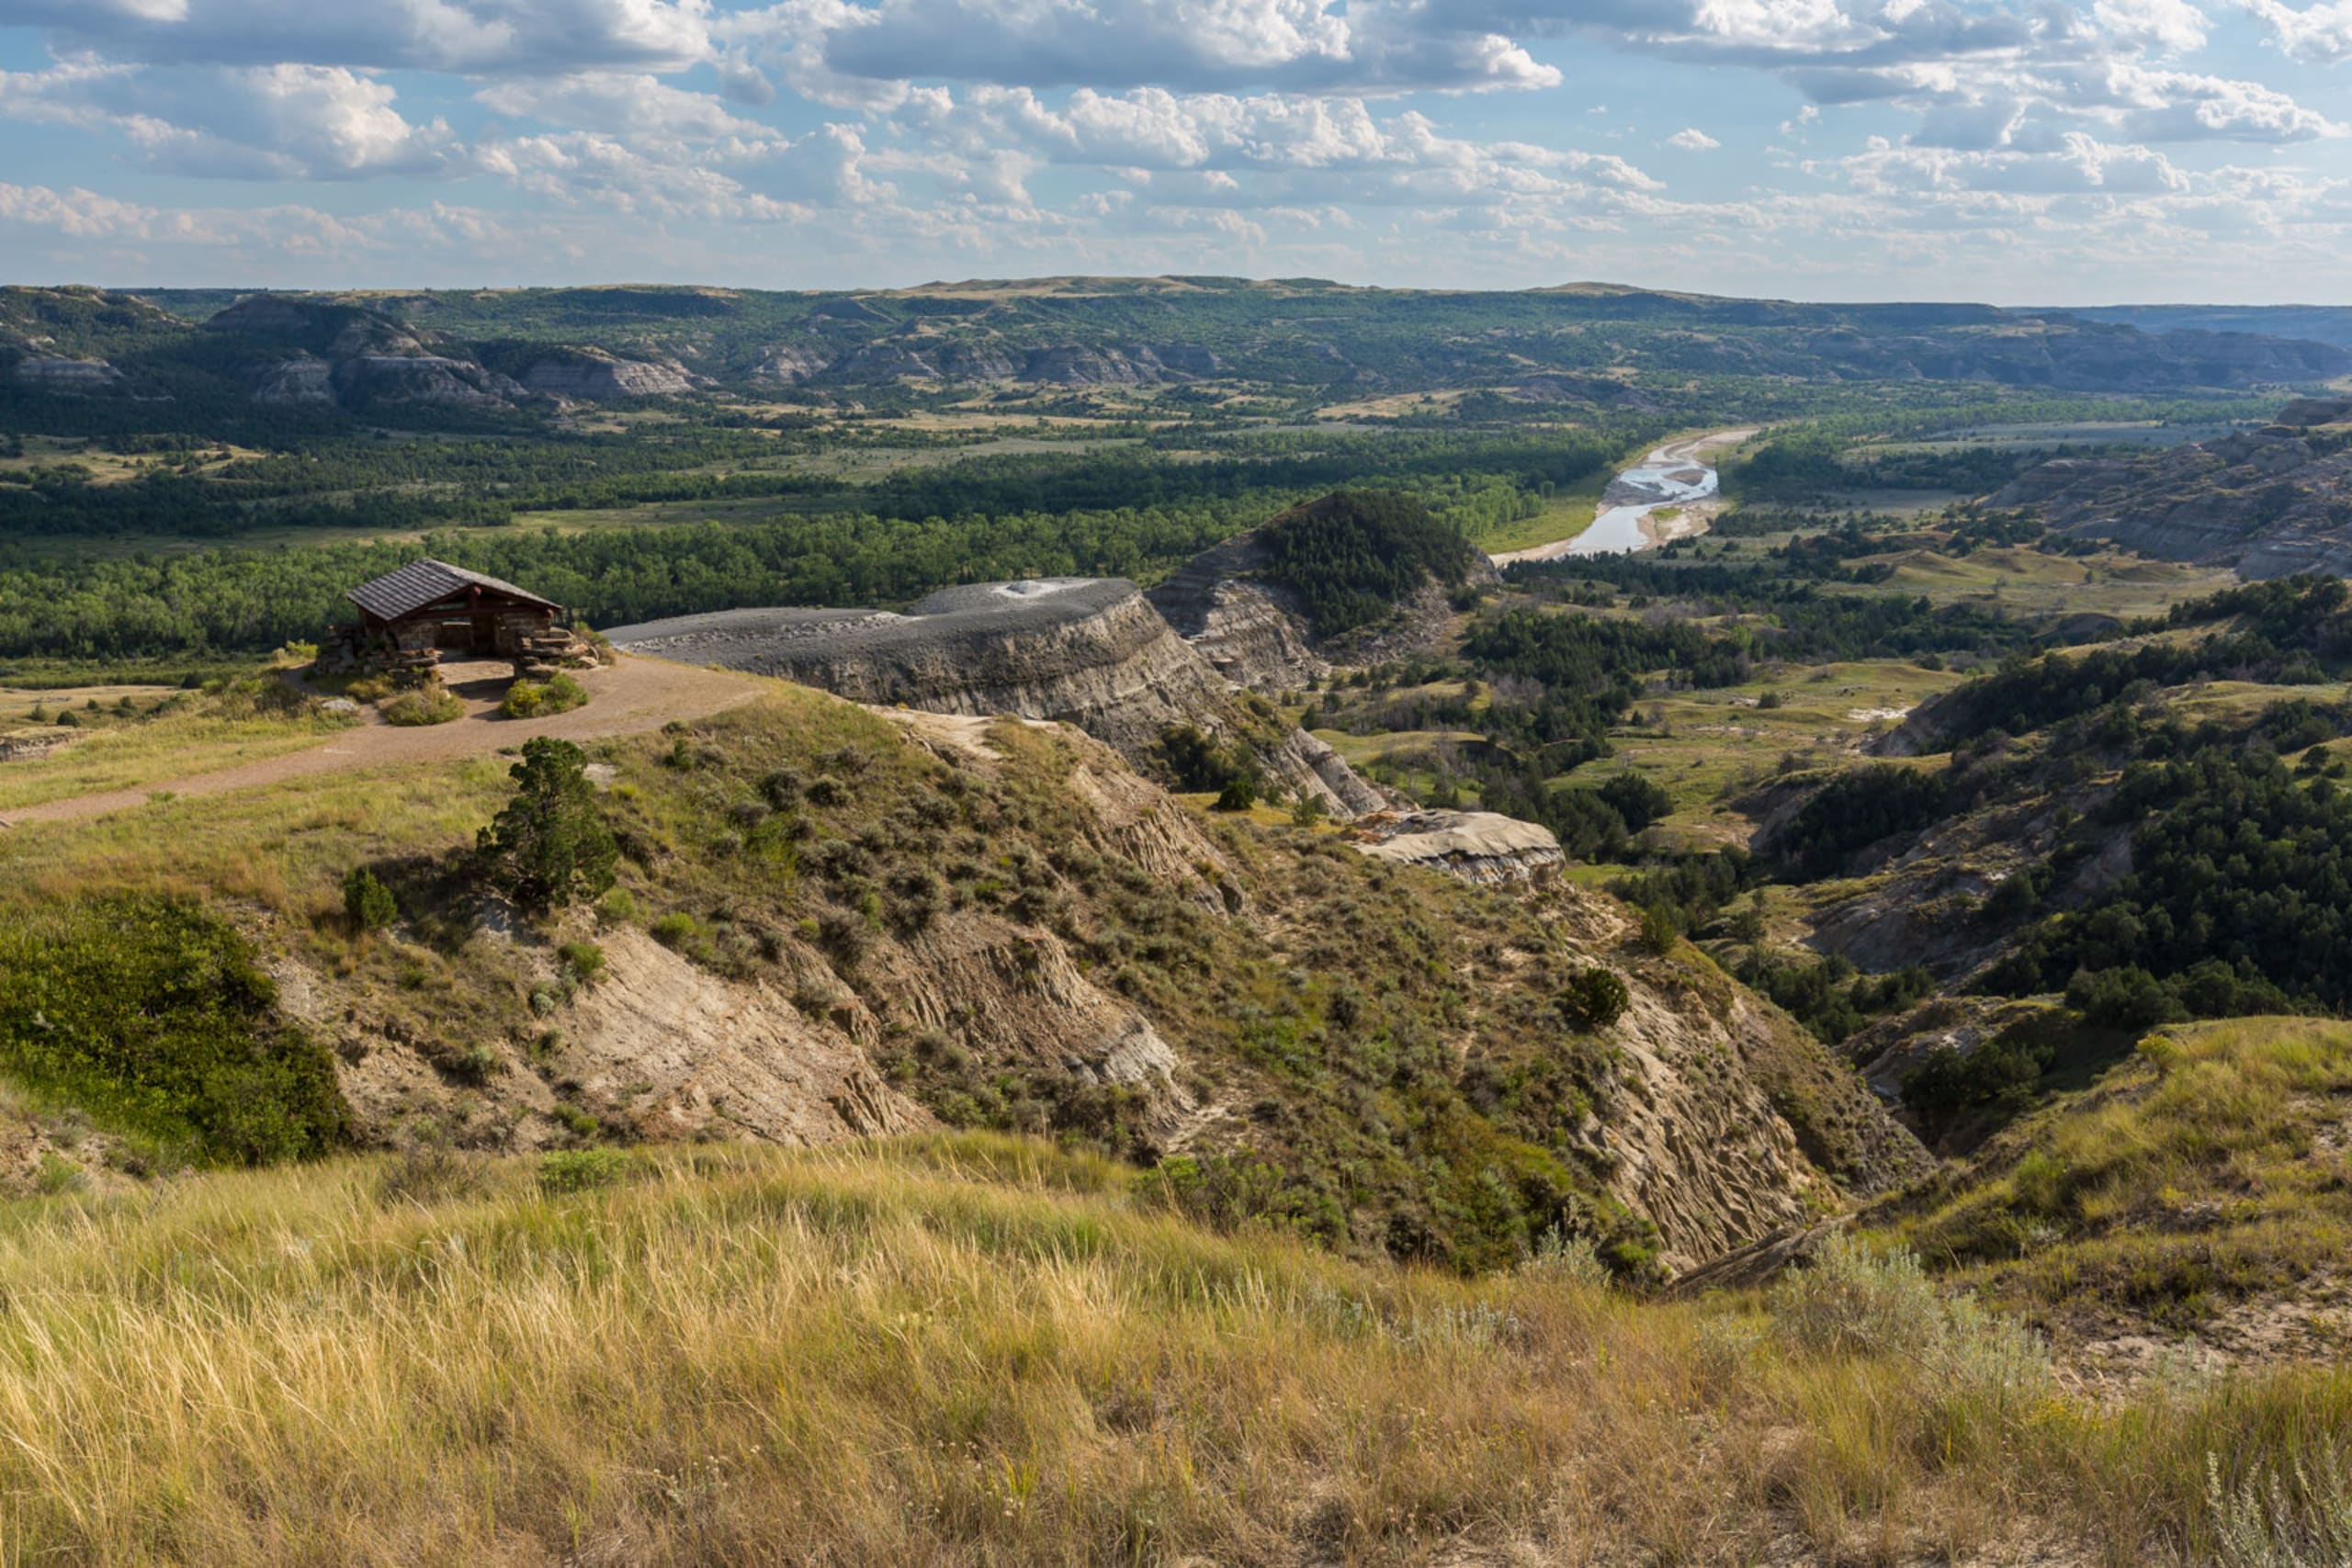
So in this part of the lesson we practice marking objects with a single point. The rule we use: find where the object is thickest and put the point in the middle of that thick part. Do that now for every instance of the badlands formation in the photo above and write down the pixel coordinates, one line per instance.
(1096, 653)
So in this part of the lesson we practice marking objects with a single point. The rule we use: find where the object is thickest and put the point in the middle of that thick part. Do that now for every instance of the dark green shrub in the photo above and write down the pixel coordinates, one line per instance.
(1636, 799)
(1240, 795)
(149, 1014)
(367, 902)
(1999, 1075)
(2125, 998)
(1200, 764)
(1659, 930)
(550, 846)
(1594, 998)
(1855, 810)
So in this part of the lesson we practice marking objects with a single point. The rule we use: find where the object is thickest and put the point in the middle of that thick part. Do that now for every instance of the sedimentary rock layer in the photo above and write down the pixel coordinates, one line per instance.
(1088, 651)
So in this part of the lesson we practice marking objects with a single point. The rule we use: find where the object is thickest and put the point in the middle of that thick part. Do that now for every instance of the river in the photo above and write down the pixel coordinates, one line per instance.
(1674, 476)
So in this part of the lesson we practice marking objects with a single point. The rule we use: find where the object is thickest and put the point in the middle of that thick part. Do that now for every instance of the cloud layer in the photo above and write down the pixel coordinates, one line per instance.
(1846, 142)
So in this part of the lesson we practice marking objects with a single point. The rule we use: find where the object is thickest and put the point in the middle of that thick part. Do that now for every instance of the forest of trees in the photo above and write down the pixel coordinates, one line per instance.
(2239, 897)
(1352, 555)
(155, 603)
(2289, 632)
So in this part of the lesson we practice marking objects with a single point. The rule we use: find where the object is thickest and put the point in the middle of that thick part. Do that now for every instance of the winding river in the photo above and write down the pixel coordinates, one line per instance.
(1672, 476)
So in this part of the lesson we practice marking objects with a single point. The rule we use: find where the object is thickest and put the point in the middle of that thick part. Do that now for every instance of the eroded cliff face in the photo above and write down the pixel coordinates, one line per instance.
(1103, 961)
(1256, 633)
(926, 356)
(315, 352)
(1477, 846)
(1091, 652)
(2269, 502)
(591, 375)
(52, 373)
(1722, 1120)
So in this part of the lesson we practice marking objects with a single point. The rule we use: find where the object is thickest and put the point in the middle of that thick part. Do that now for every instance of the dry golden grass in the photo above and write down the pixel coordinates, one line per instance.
(971, 1351)
(199, 738)
(18, 707)
(2211, 1168)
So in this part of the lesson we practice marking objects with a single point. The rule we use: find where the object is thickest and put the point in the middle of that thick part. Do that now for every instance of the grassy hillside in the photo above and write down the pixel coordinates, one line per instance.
(973, 1350)
(2206, 1173)
(1378, 1057)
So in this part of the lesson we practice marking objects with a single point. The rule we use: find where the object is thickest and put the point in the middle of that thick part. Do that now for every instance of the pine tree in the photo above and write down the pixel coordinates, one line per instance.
(550, 846)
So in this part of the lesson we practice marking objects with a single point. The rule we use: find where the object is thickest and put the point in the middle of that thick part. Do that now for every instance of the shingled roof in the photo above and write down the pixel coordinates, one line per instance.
(413, 587)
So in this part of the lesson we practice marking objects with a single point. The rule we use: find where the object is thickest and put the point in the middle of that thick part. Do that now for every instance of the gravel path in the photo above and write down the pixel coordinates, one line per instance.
(628, 698)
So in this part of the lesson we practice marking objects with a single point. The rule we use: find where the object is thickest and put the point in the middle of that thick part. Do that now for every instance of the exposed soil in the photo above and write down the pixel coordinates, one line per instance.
(625, 698)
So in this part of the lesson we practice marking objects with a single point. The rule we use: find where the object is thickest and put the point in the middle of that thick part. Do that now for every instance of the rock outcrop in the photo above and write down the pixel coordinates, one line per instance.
(1255, 633)
(788, 363)
(1889, 1050)
(1476, 846)
(1722, 1120)
(31, 746)
(591, 375)
(311, 351)
(305, 379)
(929, 357)
(1258, 634)
(1088, 651)
(51, 373)
(1129, 365)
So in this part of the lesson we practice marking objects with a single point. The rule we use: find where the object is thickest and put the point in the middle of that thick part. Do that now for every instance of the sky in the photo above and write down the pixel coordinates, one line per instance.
(2019, 152)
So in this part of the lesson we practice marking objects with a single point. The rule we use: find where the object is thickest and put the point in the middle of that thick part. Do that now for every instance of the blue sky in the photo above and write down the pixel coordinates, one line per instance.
(2016, 150)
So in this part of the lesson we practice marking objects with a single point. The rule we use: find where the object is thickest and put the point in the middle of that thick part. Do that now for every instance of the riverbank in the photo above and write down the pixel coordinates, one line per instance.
(1672, 494)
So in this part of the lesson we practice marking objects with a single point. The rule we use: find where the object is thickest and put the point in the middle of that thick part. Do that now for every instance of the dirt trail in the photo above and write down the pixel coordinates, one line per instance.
(626, 699)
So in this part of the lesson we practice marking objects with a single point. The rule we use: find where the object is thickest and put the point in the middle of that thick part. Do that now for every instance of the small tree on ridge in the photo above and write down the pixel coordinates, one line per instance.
(550, 846)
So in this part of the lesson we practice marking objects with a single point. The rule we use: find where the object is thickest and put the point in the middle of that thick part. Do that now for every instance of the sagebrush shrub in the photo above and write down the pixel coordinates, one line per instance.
(1568, 1261)
(2303, 1519)
(1975, 1367)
